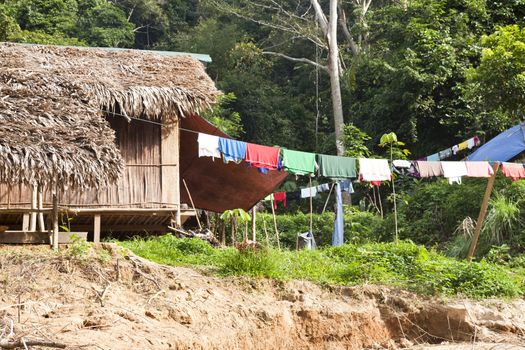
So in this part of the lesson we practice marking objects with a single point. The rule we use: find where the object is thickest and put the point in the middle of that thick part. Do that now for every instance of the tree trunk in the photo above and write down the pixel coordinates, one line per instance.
(333, 71)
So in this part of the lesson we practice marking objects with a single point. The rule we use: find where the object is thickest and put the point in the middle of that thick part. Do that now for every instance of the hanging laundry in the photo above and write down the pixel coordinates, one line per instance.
(455, 149)
(262, 156)
(477, 141)
(346, 186)
(433, 158)
(208, 146)
(429, 169)
(269, 197)
(293, 195)
(463, 146)
(299, 163)
(479, 169)
(513, 170)
(454, 171)
(447, 153)
(308, 192)
(403, 164)
(374, 170)
(323, 188)
(471, 143)
(232, 150)
(375, 183)
(279, 197)
(336, 167)
(338, 234)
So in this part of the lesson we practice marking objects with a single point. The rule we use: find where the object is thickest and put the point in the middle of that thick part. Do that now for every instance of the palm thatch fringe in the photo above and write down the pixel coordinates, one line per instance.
(51, 139)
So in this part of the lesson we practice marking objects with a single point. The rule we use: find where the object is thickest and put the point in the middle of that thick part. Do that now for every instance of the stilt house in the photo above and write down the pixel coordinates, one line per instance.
(103, 129)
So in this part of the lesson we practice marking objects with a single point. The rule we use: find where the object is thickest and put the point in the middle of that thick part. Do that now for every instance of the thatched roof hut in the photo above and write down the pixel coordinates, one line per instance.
(110, 129)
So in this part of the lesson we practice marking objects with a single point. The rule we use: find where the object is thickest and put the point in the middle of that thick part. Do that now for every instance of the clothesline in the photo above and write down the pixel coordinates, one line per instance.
(449, 152)
(336, 167)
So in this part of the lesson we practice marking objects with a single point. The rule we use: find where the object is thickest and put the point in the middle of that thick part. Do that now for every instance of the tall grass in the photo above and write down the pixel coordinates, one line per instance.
(405, 265)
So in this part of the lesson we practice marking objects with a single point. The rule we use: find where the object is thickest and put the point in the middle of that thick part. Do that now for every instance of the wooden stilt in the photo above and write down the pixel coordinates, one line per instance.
(96, 228)
(41, 223)
(482, 213)
(34, 199)
(254, 227)
(25, 222)
(55, 221)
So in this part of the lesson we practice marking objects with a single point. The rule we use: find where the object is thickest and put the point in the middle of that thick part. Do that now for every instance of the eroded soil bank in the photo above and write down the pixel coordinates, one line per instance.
(126, 302)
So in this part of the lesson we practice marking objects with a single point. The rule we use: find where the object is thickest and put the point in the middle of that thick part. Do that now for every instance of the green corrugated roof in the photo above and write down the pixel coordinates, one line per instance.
(198, 56)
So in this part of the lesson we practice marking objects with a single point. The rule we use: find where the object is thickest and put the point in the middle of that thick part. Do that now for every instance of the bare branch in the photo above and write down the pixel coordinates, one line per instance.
(346, 32)
(321, 17)
(297, 59)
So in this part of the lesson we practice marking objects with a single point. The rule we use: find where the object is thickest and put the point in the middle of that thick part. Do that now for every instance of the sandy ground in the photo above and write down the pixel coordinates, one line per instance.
(126, 302)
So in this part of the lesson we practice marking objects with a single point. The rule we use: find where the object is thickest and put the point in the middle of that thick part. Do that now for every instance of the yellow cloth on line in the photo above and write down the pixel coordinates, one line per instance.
(463, 145)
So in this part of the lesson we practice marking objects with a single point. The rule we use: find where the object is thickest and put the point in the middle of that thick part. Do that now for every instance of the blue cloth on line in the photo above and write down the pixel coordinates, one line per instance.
(338, 234)
(232, 150)
(346, 186)
(433, 158)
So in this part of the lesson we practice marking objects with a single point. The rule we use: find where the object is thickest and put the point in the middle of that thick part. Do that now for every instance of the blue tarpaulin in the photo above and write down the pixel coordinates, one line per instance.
(338, 234)
(503, 147)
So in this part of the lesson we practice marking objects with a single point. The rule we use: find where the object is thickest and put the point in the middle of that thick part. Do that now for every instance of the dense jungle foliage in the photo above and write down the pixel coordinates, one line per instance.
(435, 72)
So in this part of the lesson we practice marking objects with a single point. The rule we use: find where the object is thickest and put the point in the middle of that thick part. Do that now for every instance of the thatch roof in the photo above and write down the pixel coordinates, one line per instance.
(53, 139)
(134, 83)
(52, 102)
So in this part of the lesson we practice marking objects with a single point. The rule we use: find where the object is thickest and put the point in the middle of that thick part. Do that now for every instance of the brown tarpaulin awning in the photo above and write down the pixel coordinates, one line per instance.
(214, 185)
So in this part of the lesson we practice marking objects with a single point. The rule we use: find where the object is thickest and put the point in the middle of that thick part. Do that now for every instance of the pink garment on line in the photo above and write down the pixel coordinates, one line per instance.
(262, 156)
(513, 170)
(429, 168)
(479, 169)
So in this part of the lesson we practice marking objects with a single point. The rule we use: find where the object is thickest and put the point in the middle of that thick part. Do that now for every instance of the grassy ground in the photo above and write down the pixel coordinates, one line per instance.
(403, 264)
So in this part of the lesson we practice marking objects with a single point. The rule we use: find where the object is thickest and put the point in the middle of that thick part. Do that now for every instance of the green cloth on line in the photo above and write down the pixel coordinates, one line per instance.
(336, 167)
(297, 162)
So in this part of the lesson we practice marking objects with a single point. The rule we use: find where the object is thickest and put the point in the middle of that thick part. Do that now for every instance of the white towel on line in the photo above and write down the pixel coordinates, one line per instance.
(209, 146)
(454, 171)
(374, 170)
(308, 192)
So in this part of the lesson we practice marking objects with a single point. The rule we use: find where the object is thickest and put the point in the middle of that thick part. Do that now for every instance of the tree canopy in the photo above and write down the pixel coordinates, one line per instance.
(432, 71)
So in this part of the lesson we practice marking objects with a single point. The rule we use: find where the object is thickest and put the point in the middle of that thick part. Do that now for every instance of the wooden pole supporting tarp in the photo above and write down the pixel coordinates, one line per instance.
(482, 213)
(275, 223)
(192, 204)
(254, 217)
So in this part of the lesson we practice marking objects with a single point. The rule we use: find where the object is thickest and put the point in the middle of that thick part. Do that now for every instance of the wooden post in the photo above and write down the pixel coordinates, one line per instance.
(169, 154)
(34, 199)
(254, 228)
(192, 205)
(41, 223)
(275, 223)
(482, 213)
(55, 221)
(96, 228)
(266, 233)
(328, 198)
(311, 208)
(25, 222)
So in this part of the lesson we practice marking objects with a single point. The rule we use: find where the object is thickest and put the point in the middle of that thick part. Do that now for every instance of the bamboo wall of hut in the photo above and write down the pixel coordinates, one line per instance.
(140, 185)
